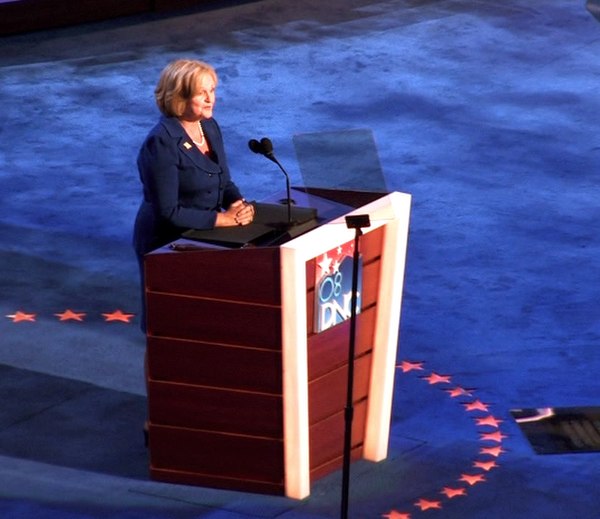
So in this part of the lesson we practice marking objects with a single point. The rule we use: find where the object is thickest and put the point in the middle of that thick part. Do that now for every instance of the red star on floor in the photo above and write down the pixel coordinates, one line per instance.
(426, 504)
(485, 465)
(434, 378)
(494, 437)
(489, 420)
(69, 315)
(20, 317)
(459, 391)
(394, 514)
(472, 479)
(477, 405)
(492, 451)
(118, 315)
(451, 493)
(481, 466)
(407, 366)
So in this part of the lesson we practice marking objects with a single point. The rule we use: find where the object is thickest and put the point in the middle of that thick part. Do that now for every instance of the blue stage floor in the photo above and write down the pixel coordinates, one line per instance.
(485, 112)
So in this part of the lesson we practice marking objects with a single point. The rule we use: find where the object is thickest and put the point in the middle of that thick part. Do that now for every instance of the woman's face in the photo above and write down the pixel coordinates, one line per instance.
(201, 105)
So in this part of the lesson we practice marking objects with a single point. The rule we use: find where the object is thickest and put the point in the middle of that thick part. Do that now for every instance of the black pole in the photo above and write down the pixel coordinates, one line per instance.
(353, 222)
(288, 192)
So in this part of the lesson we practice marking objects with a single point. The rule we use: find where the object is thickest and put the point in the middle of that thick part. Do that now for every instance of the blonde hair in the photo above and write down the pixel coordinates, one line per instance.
(178, 84)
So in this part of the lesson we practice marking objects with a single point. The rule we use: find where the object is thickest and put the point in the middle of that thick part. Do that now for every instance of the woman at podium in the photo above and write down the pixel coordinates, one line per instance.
(182, 164)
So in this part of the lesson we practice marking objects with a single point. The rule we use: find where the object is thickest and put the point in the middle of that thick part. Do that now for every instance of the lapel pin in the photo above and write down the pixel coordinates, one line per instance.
(187, 145)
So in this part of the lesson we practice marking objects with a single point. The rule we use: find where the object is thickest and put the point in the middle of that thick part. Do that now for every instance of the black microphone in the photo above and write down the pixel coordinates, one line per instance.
(265, 147)
(255, 146)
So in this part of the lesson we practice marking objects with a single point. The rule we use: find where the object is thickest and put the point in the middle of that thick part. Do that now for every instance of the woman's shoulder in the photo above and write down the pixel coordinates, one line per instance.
(164, 131)
(163, 135)
(168, 126)
(211, 126)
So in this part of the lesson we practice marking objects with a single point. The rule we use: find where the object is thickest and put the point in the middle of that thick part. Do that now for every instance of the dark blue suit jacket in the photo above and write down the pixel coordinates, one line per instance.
(183, 188)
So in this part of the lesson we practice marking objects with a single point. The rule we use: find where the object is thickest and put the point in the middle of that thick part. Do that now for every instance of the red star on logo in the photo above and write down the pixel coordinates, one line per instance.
(434, 378)
(394, 514)
(407, 366)
(489, 420)
(69, 315)
(492, 451)
(117, 315)
(472, 479)
(19, 317)
(494, 437)
(451, 493)
(477, 405)
(425, 504)
(485, 465)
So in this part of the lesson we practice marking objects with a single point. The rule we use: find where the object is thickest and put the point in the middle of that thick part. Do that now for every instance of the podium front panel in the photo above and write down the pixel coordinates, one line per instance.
(308, 356)
(214, 368)
(328, 362)
(243, 394)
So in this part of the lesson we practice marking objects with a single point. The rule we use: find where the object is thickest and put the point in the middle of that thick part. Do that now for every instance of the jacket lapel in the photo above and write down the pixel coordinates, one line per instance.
(188, 148)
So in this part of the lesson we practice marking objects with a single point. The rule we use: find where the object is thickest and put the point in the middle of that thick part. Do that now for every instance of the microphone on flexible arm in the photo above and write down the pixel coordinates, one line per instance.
(265, 147)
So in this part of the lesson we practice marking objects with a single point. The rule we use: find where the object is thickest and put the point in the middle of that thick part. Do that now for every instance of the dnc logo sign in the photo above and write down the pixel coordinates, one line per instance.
(333, 287)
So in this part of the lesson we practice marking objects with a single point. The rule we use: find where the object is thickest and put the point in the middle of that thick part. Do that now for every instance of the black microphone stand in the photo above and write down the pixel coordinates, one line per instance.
(288, 191)
(265, 147)
(356, 222)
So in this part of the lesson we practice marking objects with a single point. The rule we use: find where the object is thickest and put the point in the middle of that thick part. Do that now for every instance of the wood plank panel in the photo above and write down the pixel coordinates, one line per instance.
(214, 321)
(327, 436)
(371, 244)
(218, 410)
(216, 365)
(370, 284)
(223, 455)
(327, 394)
(217, 274)
(329, 350)
(335, 464)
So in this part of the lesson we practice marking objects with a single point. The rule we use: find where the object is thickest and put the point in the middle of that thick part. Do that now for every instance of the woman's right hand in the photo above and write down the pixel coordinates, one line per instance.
(238, 213)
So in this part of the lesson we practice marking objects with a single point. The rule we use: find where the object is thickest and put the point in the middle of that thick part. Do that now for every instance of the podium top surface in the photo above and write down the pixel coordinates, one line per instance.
(273, 224)
(313, 208)
(385, 209)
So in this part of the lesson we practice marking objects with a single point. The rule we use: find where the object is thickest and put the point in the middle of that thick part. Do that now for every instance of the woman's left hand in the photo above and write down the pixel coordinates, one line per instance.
(238, 213)
(245, 214)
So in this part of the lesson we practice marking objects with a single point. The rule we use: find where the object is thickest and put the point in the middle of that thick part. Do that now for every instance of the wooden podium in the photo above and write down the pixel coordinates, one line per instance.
(242, 393)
